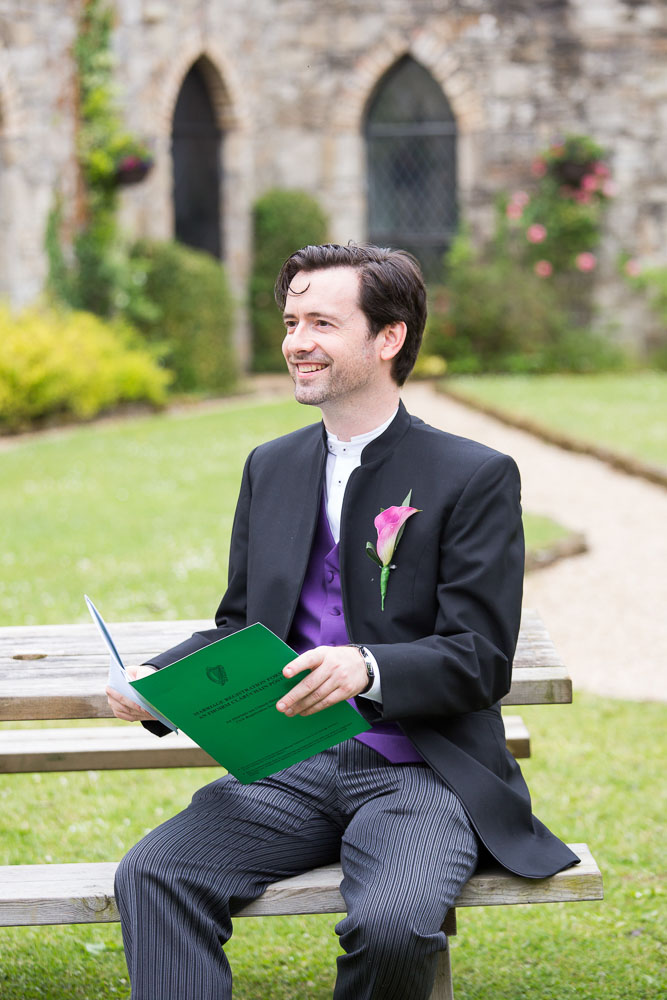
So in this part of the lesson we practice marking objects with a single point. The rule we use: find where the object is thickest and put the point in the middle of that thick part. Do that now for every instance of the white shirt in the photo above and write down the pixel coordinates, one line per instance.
(343, 457)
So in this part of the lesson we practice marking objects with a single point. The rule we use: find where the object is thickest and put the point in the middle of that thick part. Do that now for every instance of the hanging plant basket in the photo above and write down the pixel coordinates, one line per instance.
(132, 170)
(571, 172)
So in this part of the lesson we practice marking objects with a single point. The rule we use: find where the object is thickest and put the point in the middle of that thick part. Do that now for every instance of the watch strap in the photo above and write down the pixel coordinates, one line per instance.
(370, 670)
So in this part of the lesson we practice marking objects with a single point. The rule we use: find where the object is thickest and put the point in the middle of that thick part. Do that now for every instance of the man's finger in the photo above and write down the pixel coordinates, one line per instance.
(306, 661)
(311, 691)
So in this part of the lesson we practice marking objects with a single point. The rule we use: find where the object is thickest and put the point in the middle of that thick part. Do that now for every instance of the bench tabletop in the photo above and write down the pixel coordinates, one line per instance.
(67, 679)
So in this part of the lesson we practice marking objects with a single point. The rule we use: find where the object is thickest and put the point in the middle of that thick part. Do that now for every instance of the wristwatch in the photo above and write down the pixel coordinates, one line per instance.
(370, 672)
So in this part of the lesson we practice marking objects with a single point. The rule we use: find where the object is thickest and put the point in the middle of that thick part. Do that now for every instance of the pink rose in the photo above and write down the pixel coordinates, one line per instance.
(544, 269)
(536, 233)
(538, 168)
(601, 169)
(633, 268)
(514, 211)
(589, 182)
(586, 261)
(521, 198)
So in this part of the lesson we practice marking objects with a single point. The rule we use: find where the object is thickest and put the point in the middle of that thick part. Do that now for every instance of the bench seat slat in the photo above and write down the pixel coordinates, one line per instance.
(83, 893)
(125, 747)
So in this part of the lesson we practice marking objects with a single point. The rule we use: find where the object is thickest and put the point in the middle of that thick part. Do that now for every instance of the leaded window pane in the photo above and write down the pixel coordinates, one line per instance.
(411, 149)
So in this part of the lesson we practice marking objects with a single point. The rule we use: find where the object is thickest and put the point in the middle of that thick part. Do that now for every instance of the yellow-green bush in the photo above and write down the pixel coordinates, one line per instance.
(71, 363)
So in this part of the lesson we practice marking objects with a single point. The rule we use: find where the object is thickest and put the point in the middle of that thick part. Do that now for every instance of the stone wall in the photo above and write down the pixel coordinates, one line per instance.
(291, 80)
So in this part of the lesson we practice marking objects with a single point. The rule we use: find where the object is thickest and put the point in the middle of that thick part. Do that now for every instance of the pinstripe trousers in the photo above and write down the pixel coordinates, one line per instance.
(403, 838)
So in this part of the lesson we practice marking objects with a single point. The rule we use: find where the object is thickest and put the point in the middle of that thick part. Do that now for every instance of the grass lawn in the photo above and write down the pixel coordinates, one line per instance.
(597, 775)
(136, 513)
(542, 532)
(625, 412)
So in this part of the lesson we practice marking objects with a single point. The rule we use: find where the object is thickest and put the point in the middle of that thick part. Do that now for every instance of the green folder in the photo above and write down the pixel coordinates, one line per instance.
(224, 697)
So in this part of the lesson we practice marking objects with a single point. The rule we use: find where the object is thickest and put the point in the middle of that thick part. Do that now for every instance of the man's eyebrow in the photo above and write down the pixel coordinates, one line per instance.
(316, 314)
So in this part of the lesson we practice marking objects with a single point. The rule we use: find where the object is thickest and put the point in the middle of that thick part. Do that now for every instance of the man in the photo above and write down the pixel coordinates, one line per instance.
(408, 806)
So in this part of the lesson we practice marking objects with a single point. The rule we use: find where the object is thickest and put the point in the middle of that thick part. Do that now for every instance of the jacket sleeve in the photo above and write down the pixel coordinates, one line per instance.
(466, 663)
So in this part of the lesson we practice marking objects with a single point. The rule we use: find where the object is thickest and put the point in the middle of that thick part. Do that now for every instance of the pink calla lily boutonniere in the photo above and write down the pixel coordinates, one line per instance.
(390, 524)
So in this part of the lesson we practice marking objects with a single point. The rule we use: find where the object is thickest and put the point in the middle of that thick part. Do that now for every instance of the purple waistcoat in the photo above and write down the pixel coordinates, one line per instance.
(319, 621)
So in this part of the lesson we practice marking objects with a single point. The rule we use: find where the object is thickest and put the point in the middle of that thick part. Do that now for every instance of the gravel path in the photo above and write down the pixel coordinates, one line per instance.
(606, 610)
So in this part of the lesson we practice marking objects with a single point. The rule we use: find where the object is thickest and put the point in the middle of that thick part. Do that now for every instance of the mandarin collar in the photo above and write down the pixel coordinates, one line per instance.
(385, 442)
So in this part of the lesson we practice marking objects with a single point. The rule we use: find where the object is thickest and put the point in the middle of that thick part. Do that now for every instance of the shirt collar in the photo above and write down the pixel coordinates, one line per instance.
(354, 447)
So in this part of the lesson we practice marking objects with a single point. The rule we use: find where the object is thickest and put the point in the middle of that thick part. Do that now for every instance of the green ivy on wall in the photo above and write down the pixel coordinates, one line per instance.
(101, 277)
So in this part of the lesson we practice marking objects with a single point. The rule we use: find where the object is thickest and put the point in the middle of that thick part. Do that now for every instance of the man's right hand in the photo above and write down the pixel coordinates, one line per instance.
(122, 707)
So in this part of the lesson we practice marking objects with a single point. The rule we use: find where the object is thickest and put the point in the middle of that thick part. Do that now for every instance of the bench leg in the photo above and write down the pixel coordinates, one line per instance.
(442, 986)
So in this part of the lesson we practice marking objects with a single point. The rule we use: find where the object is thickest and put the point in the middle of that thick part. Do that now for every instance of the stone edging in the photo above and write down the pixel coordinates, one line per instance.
(626, 463)
(573, 544)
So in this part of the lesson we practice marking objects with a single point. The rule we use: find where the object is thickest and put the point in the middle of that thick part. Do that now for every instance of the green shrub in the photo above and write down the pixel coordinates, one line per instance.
(193, 318)
(283, 221)
(490, 310)
(71, 363)
(494, 315)
(651, 283)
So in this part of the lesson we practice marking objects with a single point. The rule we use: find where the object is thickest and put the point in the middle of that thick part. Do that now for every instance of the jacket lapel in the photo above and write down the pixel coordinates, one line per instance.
(300, 494)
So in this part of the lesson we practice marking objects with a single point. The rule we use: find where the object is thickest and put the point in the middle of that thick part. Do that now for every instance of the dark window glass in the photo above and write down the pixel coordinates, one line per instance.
(196, 142)
(411, 149)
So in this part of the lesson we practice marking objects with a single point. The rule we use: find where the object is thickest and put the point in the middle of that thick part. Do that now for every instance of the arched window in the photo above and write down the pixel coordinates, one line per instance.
(411, 162)
(196, 148)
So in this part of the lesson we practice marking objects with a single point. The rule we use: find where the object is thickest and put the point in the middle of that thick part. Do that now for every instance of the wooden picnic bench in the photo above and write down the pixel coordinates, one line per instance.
(59, 672)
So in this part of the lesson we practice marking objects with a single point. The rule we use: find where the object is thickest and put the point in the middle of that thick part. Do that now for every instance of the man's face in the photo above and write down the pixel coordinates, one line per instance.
(326, 346)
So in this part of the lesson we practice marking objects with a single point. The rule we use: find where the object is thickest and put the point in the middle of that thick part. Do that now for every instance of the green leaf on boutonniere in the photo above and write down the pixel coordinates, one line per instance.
(370, 550)
(406, 503)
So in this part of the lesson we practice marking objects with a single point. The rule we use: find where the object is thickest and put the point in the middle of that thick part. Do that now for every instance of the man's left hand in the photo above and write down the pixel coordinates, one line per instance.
(336, 674)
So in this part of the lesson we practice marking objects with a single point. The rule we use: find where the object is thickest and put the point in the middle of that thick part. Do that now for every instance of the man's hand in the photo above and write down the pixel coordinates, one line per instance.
(336, 674)
(122, 707)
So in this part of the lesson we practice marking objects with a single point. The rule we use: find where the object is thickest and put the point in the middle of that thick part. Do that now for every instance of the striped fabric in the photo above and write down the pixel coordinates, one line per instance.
(405, 845)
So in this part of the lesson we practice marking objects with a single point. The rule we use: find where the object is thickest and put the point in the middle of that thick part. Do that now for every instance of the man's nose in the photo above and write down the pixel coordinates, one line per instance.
(300, 338)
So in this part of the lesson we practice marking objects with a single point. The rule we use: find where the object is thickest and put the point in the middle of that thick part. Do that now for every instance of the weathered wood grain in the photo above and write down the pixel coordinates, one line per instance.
(130, 746)
(83, 893)
(68, 681)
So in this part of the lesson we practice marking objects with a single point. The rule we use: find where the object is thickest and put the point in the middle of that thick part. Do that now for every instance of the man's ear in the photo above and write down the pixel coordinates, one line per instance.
(393, 337)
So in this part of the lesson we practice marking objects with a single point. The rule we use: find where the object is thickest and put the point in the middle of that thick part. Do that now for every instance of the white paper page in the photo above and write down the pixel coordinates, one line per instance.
(118, 679)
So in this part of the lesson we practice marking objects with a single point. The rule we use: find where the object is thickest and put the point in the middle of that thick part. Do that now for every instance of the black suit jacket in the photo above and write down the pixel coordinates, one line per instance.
(446, 639)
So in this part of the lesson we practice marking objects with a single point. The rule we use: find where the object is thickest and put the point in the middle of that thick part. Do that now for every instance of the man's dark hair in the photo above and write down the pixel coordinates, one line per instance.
(391, 290)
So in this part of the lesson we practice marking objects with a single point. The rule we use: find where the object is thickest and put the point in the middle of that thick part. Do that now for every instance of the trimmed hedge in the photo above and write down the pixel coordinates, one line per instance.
(193, 318)
(283, 221)
(71, 364)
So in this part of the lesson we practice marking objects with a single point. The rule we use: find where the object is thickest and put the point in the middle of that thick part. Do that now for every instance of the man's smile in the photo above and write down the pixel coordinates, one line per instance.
(307, 368)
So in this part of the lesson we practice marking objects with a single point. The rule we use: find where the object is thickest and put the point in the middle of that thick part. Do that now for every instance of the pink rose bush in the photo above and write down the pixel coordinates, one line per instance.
(553, 227)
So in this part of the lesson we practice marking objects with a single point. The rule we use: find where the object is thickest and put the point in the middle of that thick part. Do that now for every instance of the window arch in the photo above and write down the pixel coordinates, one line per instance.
(196, 154)
(410, 136)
